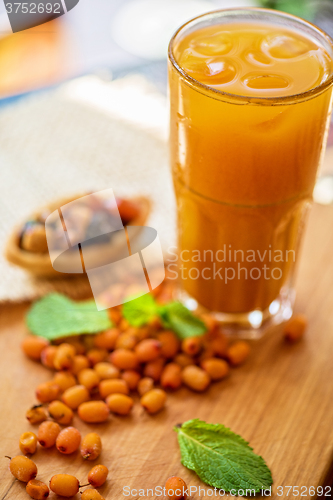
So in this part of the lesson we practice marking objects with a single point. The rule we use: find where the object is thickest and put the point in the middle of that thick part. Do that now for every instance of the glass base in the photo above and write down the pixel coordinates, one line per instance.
(251, 325)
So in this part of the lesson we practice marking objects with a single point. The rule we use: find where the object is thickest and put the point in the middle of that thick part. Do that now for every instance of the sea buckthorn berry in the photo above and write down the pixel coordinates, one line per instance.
(154, 325)
(183, 360)
(28, 443)
(154, 400)
(127, 340)
(145, 384)
(93, 412)
(91, 446)
(192, 346)
(170, 344)
(33, 346)
(113, 386)
(77, 343)
(206, 353)
(76, 395)
(88, 341)
(80, 362)
(115, 315)
(144, 332)
(124, 359)
(175, 488)
(171, 377)
(60, 412)
(154, 369)
(123, 324)
(107, 340)
(97, 475)
(64, 357)
(37, 489)
(47, 392)
(91, 494)
(48, 433)
(211, 323)
(128, 210)
(97, 355)
(216, 368)
(119, 404)
(68, 440)
(132, 378)
(64, 485)
(238, 352)
(148, 350)
(36, 415)
(195, 378)
(47, 356)
(219, 343)
(64, 380)
(89, 378)
(106, 371)
(294, 329)
(59, 341)
(23, 468)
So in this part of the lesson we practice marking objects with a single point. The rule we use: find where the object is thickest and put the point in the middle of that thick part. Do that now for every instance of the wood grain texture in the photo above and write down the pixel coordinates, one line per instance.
(281, 401)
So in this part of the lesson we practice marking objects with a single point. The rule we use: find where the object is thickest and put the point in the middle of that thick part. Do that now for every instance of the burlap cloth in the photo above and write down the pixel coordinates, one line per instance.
(87, 134)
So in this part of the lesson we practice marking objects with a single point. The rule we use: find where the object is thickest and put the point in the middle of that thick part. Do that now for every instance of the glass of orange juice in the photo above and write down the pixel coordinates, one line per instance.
(251, 96)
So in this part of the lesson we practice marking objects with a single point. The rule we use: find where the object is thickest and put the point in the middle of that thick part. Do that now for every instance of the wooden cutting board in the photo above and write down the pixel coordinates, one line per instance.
(281, 400)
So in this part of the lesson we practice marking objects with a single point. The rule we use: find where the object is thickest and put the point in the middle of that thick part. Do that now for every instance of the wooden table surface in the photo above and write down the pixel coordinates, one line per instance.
(281, 401)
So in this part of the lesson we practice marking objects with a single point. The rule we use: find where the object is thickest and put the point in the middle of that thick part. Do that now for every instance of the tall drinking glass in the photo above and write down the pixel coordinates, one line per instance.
(251, 94)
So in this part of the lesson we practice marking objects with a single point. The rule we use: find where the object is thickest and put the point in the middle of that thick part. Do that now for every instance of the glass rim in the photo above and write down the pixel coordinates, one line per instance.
(217, 93)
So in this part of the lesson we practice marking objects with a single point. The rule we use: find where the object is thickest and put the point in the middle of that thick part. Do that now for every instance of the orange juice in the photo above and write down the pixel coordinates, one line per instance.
(250, 103)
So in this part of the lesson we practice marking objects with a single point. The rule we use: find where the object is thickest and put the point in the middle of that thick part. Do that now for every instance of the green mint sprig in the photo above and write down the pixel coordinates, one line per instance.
(55, 316)
(173, 315)
(179, 319)
(221, 458)
(141, 310)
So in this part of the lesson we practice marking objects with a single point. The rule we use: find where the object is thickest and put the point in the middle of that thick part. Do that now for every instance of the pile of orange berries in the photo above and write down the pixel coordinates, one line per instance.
(96, 374)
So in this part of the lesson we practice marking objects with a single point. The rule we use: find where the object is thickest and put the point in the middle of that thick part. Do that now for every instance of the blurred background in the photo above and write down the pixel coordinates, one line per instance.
(83, 107)
(113, 38)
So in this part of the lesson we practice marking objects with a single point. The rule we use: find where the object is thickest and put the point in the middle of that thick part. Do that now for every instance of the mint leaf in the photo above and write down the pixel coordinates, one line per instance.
(174, 315)
(56, 316)
(177, 317)
(221, 458)
(141, 310)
